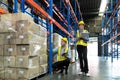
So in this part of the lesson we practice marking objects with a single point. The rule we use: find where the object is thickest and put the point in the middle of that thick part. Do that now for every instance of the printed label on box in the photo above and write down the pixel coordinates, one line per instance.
(21, 36)
(8, 59)
(10, 49)
(22, 25)
(10, 71)
(21, 72)
(21, 59)
(23, 49)
(8, 37)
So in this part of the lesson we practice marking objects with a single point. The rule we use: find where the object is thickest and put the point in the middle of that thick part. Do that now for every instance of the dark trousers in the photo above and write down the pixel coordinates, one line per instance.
(82, 54)
(60, 65)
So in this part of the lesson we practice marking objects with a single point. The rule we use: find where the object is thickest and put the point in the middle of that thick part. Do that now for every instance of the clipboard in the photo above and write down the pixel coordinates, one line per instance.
(85, 35)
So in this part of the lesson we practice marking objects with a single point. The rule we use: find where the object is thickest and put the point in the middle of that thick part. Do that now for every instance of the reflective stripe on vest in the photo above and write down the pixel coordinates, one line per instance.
(59, 57)
(81, 42)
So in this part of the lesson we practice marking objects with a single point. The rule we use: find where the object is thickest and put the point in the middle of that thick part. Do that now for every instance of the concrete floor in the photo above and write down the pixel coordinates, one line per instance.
(99, 69)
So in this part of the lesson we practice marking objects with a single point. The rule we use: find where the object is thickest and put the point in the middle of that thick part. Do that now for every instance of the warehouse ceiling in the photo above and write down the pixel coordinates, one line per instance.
(89, 8)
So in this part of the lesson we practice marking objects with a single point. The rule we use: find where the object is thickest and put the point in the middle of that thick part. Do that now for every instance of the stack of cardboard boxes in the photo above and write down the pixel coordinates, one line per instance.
(22, 47)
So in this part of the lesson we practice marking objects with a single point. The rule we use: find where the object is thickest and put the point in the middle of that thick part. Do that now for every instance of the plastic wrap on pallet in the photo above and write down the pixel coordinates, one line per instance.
(43, 59)
(43, 68)
(56, 40)
(22, 42)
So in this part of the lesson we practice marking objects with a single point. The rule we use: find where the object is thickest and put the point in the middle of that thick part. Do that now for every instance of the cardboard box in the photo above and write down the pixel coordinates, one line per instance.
(2, 73)
(10, 73)
(9, 61)
(3, 27)
(35, 28)
(35, 49)
(21, 26)
(28, 50)
(22, 38)
(23, 50)
(9, 38)
(43, 68)
(26, 62)
(9, 50)
(28, 73)
(1, 62)
(1, 50)
(7, 26)
(43, 59)
(28, 38)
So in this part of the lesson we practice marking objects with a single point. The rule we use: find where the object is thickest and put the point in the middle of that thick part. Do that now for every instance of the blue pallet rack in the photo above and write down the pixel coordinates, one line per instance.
(69, 20)
(110, 32)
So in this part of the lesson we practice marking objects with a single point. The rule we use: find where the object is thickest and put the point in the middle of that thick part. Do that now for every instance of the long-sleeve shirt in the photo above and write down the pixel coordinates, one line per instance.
(55, 50)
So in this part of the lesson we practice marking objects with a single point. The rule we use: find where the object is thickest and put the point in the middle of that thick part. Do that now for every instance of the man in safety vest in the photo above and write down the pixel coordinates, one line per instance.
(62, 57)
(82, 48)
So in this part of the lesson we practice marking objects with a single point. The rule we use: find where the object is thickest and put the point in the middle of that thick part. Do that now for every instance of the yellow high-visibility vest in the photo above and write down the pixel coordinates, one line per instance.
(81, 42)
(59, 57)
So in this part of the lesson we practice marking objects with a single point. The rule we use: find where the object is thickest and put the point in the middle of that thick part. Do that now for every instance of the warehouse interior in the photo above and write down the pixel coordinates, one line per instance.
(31, 29)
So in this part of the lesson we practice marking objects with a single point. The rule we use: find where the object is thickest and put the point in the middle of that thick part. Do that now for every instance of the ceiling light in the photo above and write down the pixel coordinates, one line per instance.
(102, 7)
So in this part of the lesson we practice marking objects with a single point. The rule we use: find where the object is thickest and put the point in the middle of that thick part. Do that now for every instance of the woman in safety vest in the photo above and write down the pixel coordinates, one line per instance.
(82, 48)
(62, 57)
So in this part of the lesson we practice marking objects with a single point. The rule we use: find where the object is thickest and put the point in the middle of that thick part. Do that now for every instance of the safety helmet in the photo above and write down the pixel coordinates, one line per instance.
(64, 39)
(81, 23)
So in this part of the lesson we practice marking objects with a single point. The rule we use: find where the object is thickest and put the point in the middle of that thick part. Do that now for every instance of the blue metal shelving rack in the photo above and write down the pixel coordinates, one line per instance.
(69, 20)
(110, 30)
